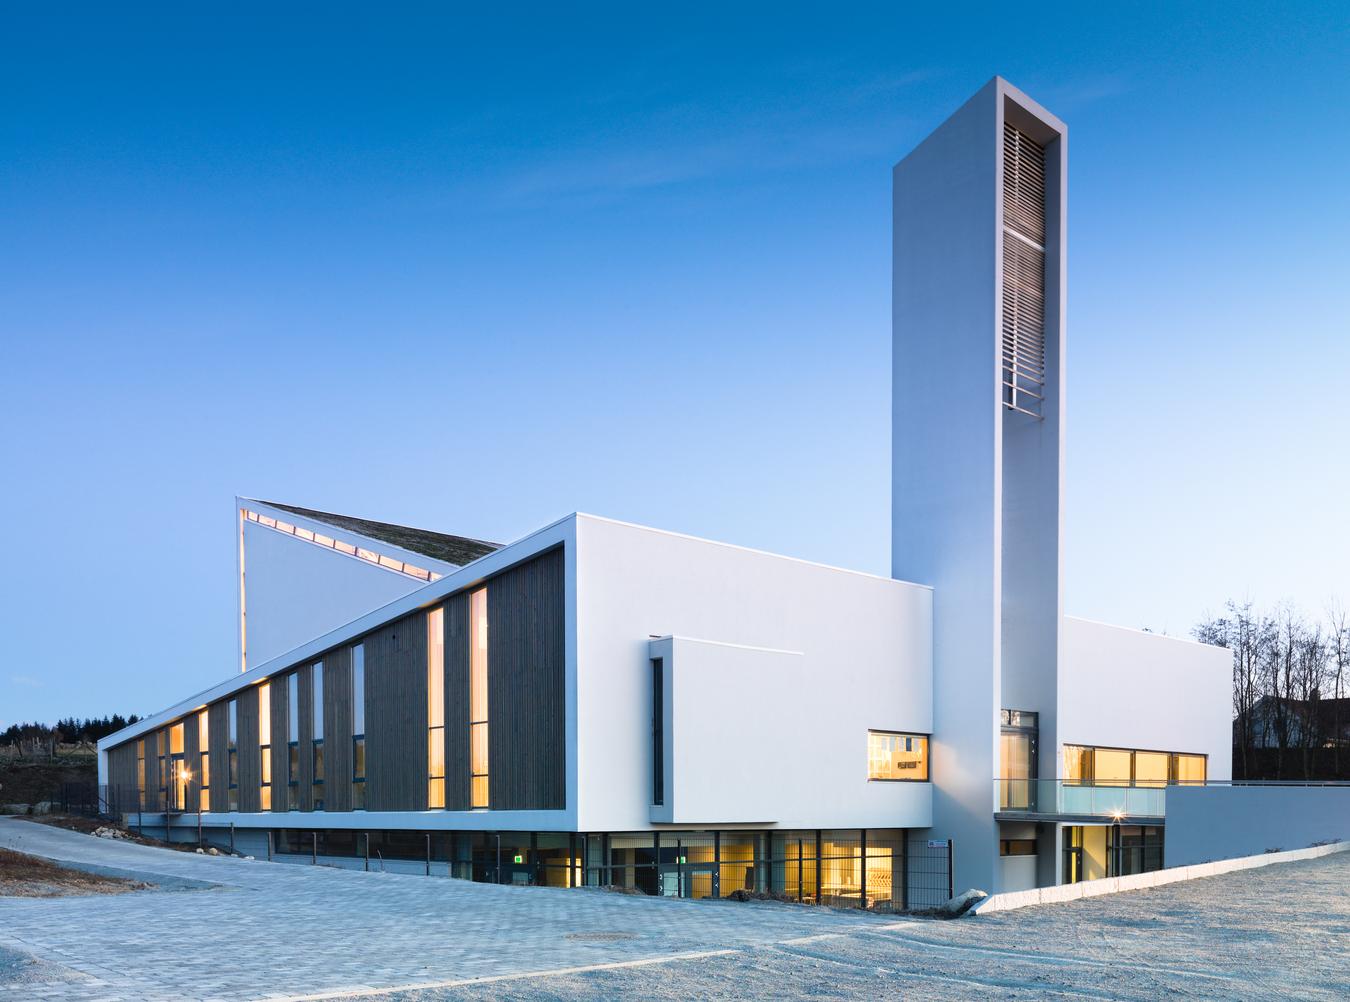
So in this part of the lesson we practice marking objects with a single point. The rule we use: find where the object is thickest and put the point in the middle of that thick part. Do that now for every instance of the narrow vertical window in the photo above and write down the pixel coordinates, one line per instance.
(293, 741)
(478, 700)
(316, 710)
(265, 744)
(658, 732)
(140, 773)
(204, 760)
(359, 727)
(436, 708)
(161, 770)
(178, 767)
(233, 746)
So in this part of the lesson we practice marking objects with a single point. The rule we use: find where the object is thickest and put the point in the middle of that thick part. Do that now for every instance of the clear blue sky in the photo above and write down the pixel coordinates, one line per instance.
(475, 274)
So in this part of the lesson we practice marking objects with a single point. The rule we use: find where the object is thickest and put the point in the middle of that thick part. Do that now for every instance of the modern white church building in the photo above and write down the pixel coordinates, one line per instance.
(603, 703)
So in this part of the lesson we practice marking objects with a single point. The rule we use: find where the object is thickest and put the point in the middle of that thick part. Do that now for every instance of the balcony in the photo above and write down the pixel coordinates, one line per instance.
(1056, 799)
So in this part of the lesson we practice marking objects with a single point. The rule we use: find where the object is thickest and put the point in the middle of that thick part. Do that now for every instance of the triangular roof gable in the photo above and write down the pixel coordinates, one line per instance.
(456, 550)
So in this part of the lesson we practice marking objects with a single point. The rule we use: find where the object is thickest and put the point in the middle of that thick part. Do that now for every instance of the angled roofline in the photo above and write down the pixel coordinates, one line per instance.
(446, 548)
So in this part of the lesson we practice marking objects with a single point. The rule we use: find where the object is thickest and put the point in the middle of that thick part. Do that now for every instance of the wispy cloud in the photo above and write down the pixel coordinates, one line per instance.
(27, 681)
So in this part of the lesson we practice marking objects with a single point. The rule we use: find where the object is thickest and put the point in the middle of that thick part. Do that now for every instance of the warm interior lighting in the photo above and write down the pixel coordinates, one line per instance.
(327, 542)
(897, 756)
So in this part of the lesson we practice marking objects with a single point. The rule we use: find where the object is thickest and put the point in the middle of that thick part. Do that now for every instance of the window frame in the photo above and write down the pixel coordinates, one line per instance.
(927, 748)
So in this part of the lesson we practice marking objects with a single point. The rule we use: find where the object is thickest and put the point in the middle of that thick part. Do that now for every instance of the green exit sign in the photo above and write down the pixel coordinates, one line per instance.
(520, 858)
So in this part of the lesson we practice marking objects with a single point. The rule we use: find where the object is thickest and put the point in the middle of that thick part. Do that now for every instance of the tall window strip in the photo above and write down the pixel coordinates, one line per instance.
(265, 744)
(1023, 272)
(316, 746)
(178, 767)
(360, 552)
(436, 708)
(140, 772)
(359, 727)
(233, 751)
(293, 741)
(161, 772)
(203, 761)
(658, 732)
(478, 700)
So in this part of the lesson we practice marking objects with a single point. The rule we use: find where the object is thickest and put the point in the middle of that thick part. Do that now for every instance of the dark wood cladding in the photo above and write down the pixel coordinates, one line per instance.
(527, 691)
(457, 702)
(122, 791)
(305, 767)
(191, 762)
(153, 801)
(527, 714)
(279, 738)
(250, 761)
(337, 730)
(396, 716)
(218, 737)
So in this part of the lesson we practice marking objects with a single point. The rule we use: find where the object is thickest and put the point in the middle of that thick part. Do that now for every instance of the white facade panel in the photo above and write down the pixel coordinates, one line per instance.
(1205, 823)
(1124, 688)
(295, 591)
(728, 762)
(864, 645)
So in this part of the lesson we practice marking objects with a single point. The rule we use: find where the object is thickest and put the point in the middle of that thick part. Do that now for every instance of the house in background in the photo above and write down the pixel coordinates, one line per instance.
(602, 703)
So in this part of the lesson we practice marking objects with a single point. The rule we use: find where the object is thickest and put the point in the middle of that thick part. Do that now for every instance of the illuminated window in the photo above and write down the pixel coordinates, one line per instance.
(478, 700)
(316, 746)
(161, 769)
(140, 772)
(293, 741)
(1151, 768)
(436, 708)
(1190, 769)
(233, 777)
(318, 539)
(265, 743)
(893, 756)
(204, 759)
(1130, 767)
(178, 770)
(359, 727)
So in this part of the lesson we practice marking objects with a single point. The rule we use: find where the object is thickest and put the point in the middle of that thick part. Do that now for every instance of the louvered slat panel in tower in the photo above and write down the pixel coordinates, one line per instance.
(1023, 324)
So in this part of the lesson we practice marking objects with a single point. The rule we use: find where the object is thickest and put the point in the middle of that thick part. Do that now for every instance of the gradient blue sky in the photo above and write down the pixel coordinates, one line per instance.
(473, 274)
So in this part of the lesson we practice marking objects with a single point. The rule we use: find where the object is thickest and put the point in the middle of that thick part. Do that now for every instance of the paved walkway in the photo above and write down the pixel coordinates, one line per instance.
(276, 929)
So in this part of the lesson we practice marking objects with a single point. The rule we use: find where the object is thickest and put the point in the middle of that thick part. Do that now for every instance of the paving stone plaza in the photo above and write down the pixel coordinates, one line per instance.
(224, 928)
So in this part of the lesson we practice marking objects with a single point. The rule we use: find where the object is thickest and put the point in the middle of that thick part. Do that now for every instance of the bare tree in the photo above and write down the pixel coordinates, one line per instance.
(1338, 661)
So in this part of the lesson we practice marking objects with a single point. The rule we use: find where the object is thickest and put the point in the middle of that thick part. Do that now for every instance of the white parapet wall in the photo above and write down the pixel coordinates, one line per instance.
(1141, 881)
(1206, 823)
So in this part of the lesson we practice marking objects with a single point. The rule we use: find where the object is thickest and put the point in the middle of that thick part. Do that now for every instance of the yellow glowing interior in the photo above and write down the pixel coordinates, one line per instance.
(478, 699)
(897, 756)
(436, 708)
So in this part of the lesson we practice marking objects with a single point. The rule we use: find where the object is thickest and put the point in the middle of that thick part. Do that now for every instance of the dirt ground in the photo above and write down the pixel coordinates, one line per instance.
(23, 876)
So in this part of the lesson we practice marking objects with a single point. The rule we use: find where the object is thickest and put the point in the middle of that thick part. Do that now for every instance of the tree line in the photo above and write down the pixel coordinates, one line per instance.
(36, 739)
(1291, 719)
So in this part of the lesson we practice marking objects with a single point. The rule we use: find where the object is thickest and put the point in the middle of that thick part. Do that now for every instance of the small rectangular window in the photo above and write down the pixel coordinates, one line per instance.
(897, 756)
(1017, 847)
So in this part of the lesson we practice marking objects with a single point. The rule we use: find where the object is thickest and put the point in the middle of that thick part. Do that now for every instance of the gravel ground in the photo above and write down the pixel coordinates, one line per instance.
(1282, 932)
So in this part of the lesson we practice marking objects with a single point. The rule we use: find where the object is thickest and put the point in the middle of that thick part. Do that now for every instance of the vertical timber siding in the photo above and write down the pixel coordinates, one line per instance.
(526, 686)
(396, 716)
(218, 735)
(122, 778)
(250, 760)
(306, 769)
(152, 771)
(457, 702)
(191, 762)
(337, 729)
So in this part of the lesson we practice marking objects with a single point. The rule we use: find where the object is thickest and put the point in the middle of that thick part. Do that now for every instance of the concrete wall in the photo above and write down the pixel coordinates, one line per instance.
(1129, 689)
(861, 658)
(1224, 822)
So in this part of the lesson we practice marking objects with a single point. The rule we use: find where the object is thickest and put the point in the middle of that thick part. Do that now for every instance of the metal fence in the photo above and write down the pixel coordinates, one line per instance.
(928, 873)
